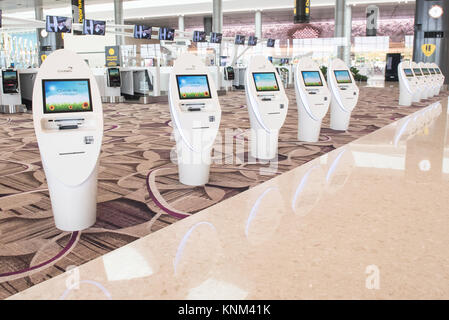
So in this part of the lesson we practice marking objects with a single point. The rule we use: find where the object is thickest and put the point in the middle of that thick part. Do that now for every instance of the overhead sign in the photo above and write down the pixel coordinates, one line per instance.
(372, 15)
(112, 55)
(77, 13)
(302, 11)
(428, 49)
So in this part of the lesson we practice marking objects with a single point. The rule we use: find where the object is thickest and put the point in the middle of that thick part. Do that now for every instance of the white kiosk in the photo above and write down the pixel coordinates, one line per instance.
(196, 115)
(68, 121)
(439, 76)
(267, 107)
(408, 85)
(345, 94)
(434, 79)
(426, 81)
(10, 97)
(112, 92)
(421, 81)
(431, 85)
(312, 97)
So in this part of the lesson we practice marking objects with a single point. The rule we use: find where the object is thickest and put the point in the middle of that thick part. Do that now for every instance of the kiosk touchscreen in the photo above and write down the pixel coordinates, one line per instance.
(10, 97)
(408, 85)
(267, 107)
(196, 114)
(345, 94)
(313, 99)
(68, 121)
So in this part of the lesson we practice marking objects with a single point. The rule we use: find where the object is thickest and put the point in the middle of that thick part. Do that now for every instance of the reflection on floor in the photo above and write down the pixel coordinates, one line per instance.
(138, 188)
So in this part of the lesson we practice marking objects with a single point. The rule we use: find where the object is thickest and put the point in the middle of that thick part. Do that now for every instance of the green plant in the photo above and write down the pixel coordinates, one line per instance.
(357, 76)
(324, 71)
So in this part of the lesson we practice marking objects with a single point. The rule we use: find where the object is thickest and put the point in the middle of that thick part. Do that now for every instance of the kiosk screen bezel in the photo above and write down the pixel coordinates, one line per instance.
(312, 85)
(411, 75)
(425, 71)
(178, 76)
(432, 71)
(13, 90)
(275, 78)
(44, 81)
(342, 81)
(417, 72)
(438, 71)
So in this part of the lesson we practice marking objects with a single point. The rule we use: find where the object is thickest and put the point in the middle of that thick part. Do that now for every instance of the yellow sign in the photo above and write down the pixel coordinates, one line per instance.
(43, 57)
(428, 49)
(111, 51)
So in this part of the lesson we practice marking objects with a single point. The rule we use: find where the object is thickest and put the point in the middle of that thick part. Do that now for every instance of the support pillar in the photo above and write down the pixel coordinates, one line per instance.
(434, 31)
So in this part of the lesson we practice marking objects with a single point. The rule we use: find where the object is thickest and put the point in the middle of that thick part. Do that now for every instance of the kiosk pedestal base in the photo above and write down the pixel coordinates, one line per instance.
(74, 208)
(264, 145)
(16, 108)
(405, 99)
(339, 118)
(194, 174)
(308, 129)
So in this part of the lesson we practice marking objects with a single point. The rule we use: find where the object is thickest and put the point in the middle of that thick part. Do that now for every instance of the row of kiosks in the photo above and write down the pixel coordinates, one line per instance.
(314, 97)
(10, 97)
(196, 113)
(418, 81)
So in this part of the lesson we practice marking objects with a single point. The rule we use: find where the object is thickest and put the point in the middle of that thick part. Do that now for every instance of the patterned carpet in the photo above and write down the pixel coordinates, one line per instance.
(138, 188)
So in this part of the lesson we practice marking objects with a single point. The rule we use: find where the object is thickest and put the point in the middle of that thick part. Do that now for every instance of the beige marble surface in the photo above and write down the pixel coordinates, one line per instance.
(369, 220)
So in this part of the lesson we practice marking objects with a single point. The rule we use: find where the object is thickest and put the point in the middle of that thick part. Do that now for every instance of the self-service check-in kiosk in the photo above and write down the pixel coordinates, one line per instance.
(426, 92)
(433, 78)
(408, 85)
(313, 99)
(196, 115)
(10, 97)
(267, 107)
(68, 121)
(345, 94)
(429, 80)
(439, 76)
(421, 80)
(112, 90)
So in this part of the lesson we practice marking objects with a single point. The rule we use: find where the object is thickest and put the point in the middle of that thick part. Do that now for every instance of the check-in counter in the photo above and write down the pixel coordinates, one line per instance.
(141, 81)
(26, 79)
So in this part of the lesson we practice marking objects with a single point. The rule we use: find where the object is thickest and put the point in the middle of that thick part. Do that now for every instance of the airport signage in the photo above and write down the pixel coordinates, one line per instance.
(78, 13)
(302, 11)
(112, 55)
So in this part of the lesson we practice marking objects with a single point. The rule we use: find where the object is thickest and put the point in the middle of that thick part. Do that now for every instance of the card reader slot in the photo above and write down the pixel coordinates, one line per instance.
(201, 128)
(193, 109)
(67, 119)
(71, 153)
(274, 113)
(68, 127)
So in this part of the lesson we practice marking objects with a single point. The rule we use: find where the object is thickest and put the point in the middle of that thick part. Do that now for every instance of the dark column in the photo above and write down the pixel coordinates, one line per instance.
(207, 25)
(429, 30)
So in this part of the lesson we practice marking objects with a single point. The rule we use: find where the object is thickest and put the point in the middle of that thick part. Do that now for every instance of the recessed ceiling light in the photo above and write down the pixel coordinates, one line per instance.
(436, 11)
